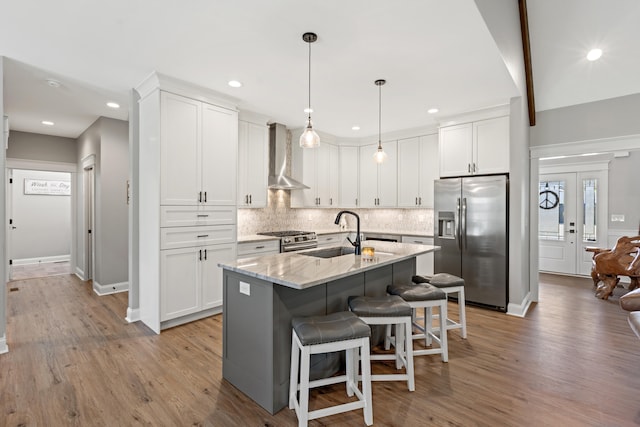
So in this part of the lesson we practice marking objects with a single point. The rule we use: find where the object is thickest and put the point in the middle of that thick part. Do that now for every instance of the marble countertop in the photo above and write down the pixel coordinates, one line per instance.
(299, 271)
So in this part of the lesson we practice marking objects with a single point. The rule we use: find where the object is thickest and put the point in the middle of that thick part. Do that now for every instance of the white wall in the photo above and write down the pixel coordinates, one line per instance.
(3, 267)
(48, 148)
(43, 222)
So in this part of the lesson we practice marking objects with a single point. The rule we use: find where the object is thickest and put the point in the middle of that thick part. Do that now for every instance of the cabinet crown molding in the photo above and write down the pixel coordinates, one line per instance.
(157, 81)
(473, 116)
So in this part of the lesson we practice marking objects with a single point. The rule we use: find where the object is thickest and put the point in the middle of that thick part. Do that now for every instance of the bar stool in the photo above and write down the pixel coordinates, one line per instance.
(424, 296)
(389, 310)
(450, 284)
(326, 334)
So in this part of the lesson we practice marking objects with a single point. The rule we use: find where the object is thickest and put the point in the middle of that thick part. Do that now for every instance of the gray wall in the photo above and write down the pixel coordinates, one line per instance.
(624, 191)
(608, 118)
(43, 222)
(33, 146)
(108, 140)
(593, 120)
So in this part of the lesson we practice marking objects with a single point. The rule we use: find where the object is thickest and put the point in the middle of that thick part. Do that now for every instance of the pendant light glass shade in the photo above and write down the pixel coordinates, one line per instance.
(309, 138)
(380, 156)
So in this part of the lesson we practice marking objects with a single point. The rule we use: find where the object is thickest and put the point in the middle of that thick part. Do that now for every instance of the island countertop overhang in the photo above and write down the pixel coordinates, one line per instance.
(298, 271)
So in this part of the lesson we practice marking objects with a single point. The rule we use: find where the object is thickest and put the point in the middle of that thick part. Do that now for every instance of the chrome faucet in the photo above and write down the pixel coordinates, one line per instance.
(356, 244)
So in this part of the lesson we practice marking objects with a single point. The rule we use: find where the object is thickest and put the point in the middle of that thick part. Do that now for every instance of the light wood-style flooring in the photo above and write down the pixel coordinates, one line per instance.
(44, 269)
(74, 360)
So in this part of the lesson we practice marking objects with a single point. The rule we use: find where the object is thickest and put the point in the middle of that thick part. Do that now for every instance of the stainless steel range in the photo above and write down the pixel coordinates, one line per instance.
(294, 240)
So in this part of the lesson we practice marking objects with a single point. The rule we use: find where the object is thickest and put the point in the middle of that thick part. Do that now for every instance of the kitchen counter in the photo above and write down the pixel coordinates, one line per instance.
(299, 271)
(262, 294)
(320, 232)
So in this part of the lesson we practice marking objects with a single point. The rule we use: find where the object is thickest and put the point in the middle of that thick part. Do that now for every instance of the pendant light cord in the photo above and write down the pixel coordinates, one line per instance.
(309, 106)
(379, 116)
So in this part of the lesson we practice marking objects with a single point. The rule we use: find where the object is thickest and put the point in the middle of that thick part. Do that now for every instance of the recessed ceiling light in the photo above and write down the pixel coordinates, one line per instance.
(53, 83)
(234, 83)
(594, 54)
(355, 128)
(113, 105)
(308, 110)
(47, 123)
(432, 110)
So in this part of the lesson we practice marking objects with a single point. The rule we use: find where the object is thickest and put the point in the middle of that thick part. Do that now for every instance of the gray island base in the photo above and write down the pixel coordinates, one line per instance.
(263, 294)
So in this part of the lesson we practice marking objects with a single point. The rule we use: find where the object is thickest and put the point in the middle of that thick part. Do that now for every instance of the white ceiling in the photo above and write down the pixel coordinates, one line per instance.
(432, 53)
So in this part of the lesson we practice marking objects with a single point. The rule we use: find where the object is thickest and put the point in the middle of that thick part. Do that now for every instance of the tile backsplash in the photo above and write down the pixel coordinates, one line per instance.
(278, 215)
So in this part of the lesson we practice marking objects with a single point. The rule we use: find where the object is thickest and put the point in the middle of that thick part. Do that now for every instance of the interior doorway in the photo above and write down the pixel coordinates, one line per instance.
(39, 238)
(89, 220)
(572, 215)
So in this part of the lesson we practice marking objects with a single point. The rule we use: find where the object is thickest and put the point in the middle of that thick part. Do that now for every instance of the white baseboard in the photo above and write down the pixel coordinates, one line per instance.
(29, 261)
(4, 348)
(80, 273)
(133, 315)
(520, 310)
(110, 289)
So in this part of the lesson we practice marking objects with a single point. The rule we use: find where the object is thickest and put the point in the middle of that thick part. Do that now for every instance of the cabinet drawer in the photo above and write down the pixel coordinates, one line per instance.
(417, 240)
(331, 239)
(180, 216)
(184, 237)
(258, 248)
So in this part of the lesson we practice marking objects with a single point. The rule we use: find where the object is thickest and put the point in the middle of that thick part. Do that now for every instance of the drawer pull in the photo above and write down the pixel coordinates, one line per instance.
(329, 238)
(203, 235)
(418, 241)
(259, 247)
(202, 216)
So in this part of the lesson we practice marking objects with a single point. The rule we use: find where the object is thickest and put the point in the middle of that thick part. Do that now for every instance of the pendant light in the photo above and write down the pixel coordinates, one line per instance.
(379, 156)
(309, 138)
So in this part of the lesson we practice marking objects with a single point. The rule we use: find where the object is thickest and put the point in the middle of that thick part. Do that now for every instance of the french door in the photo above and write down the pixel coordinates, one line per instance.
(572, 214)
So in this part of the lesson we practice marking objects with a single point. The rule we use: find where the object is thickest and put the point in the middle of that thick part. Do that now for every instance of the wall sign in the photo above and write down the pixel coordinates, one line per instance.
(47, 187)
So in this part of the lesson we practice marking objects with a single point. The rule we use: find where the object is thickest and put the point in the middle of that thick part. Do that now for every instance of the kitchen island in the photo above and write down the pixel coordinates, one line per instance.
(262, 294)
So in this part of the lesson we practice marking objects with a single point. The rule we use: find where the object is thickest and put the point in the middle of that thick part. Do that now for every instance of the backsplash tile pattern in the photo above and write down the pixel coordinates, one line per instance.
(278, 215)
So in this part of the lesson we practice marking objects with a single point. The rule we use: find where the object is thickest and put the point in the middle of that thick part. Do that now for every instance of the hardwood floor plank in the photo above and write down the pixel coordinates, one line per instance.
(74, 360)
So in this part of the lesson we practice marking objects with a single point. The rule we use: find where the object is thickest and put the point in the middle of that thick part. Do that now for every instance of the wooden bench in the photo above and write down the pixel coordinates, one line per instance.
(622, 260)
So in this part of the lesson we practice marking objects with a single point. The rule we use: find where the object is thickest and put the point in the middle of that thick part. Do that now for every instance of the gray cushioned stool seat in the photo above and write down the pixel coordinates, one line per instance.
(385, 306)
(339, 326)
(417, 292)
(440, 280)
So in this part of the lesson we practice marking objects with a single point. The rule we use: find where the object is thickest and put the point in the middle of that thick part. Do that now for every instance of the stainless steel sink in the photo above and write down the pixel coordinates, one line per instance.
(329, 252)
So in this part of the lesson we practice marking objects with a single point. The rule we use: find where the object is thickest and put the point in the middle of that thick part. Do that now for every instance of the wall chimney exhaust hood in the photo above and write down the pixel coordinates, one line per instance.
(278, 180)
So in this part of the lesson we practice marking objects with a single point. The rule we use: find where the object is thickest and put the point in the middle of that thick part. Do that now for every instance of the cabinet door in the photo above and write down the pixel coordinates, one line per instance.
(179, 150)
(257, 165)
(368, 173)
(348, 177)
(243, 164)
(219, 155)
(424, 262)
(388, 176)
(211, 274)
(428, 169)
(334, 176)
(409, 168)
(323, 175)
(179, 282)
(491, 146)
(456, 150)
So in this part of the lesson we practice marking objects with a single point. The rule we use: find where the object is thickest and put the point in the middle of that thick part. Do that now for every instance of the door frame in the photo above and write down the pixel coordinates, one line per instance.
(88, 221)
(614, 147)
(38, 165)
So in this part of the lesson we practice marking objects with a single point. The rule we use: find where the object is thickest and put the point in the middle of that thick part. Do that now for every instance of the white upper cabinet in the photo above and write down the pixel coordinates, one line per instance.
(318, 169)
(253, 159)
(194, 137)
(477, 148)
(348, 177)
(417, 169)
(378, 182)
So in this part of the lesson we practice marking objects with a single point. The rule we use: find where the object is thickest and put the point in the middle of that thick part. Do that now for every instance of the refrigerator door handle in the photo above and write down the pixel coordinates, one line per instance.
(456, 225)
(463, 225)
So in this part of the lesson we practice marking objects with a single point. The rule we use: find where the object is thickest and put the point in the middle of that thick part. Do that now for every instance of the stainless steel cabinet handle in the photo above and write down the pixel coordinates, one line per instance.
(202, 215)
(259, 247)
(203, 235)
(329, 238)
(418, 242)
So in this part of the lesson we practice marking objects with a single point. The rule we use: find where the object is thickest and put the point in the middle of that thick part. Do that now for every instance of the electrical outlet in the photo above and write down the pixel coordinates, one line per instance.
(245, 288)
(617, 218)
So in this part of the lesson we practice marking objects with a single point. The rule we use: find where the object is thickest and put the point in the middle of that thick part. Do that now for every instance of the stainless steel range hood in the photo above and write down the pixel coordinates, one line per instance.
(278, 180)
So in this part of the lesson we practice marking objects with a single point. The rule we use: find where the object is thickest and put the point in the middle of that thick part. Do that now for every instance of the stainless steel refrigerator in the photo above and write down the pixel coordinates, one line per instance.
(471, 227)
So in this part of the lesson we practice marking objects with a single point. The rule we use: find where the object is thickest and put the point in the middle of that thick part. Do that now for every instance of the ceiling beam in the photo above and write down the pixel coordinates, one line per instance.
(526, 48)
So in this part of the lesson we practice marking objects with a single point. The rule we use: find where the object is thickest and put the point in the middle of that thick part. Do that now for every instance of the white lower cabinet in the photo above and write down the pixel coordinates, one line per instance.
(424, 262)
(333, 239)
(251, 249)
(191, 280)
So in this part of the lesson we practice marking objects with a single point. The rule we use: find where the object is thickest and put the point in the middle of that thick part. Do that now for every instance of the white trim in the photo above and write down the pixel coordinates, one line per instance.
(88, 161)
(520, 310)
(166, 324)
(4, 348)
(41, 165)
(80, 273)
(604, 145)
(574, 167)
(133, 315)
(29, 261)
(110, 289)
